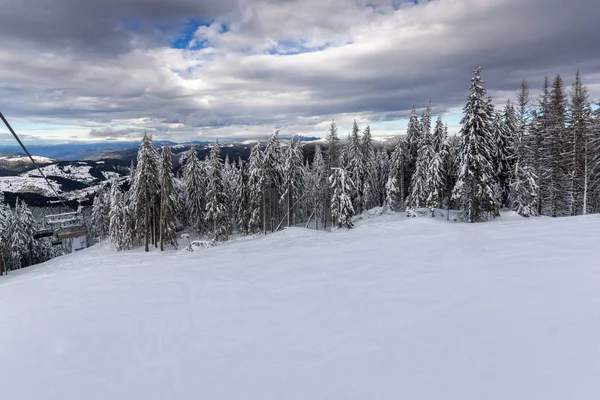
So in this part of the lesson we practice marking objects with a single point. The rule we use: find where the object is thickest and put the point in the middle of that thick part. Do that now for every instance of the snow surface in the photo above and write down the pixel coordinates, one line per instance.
(22, 184)
(398, 308)
(77, 171)
(26, 159)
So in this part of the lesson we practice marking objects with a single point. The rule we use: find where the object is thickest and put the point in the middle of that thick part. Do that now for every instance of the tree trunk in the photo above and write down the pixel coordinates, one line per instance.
(147, 229)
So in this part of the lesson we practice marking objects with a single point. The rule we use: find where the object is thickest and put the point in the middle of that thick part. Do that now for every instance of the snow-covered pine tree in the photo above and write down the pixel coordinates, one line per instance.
(314, 188)
(413, 139)
(369, 178)
(256, 189)
(20, 236)
(524, 189)
(594, 149)
(230, 182)
(168, 207)
(117, 223)
(437, 173)
(293, 179)
(420, 187)
(342, 210)
(195, 183)
(100, 212)
(538, 143)
(333, 151)
(395, 188)
(557, 155)
(217, 215)
(273, 180)
(501, 155)
(355, 167)
(146, 191)
(243, 208)
(383, 172)
(474, 186)
(580, 128)
(332, 161)
(4, 225)
(509, 116)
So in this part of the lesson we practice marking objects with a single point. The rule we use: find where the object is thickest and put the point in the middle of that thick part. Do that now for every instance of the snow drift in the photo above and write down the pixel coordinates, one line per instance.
(400, 307)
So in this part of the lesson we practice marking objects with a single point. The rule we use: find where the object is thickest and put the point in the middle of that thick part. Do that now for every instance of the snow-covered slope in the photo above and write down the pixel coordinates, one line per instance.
(396, 309)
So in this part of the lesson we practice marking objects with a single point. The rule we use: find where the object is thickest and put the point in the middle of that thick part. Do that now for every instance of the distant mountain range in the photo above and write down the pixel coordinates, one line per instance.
(107, 149)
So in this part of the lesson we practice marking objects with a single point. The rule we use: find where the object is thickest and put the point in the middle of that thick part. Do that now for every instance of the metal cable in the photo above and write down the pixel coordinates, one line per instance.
(31, 158)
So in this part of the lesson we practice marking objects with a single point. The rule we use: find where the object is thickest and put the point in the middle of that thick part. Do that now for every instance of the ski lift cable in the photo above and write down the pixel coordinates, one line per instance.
(32, 159)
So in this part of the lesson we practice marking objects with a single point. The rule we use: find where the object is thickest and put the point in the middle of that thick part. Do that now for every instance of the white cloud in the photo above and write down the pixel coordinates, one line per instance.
(369, 62)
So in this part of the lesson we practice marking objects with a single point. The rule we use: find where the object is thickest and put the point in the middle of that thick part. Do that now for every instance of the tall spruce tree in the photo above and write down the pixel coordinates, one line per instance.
(420, 186)
(557, 155)
(256, 189)
(273, 179)
(474, 186)
(318, 187)
(383, 172)
(195, 184)
(217, 204)
(332, 161)
(168, 208)
(501, 157)
(146, 191)
(369, 178)
(355, 167)
(580, 128)
(342, 210)
(243, 211)
(395, 188)
(293, 179)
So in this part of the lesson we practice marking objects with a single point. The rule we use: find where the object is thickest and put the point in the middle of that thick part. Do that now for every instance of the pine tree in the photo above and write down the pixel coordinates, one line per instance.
(557, 155)
(217, 216)
(395, 189)
(413, 137)
(242, 203)
(117, 223)
(355, 167)
(4, 226)
(146, 191)
(475, 181)
(369, 178)
(342, 210)
(315, 187)
(230, 182)
(333, 161)
(501, 155)
(383, 172)
(195, 183)
(100, 212)
(293, 178)
(579, 126)
(420, 186)
(168, 232)
(273, 180)
(437, 173)
(256, 189)
(524, 188)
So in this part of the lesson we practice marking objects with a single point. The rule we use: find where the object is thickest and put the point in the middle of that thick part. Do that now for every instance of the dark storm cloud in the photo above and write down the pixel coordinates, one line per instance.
(96, 64)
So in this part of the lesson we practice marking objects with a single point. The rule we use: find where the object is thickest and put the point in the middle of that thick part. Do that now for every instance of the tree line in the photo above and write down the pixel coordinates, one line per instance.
(536, 156)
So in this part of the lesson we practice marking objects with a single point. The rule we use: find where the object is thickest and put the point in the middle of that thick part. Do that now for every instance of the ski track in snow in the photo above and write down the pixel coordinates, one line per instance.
(411, 308)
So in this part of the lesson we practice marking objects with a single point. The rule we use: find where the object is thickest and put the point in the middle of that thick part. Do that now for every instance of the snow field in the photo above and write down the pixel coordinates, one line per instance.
(399, 307)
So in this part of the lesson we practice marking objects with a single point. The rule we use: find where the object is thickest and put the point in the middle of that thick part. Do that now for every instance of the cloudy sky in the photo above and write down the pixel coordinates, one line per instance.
(194, 69)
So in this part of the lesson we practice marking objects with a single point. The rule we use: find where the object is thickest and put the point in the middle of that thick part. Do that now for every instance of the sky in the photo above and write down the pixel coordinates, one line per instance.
(80, 70)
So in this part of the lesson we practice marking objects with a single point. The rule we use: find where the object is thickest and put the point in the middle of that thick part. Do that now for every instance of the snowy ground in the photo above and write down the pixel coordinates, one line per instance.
(399, 308)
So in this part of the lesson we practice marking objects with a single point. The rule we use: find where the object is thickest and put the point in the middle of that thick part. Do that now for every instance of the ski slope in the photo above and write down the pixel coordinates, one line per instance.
(398, 308)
